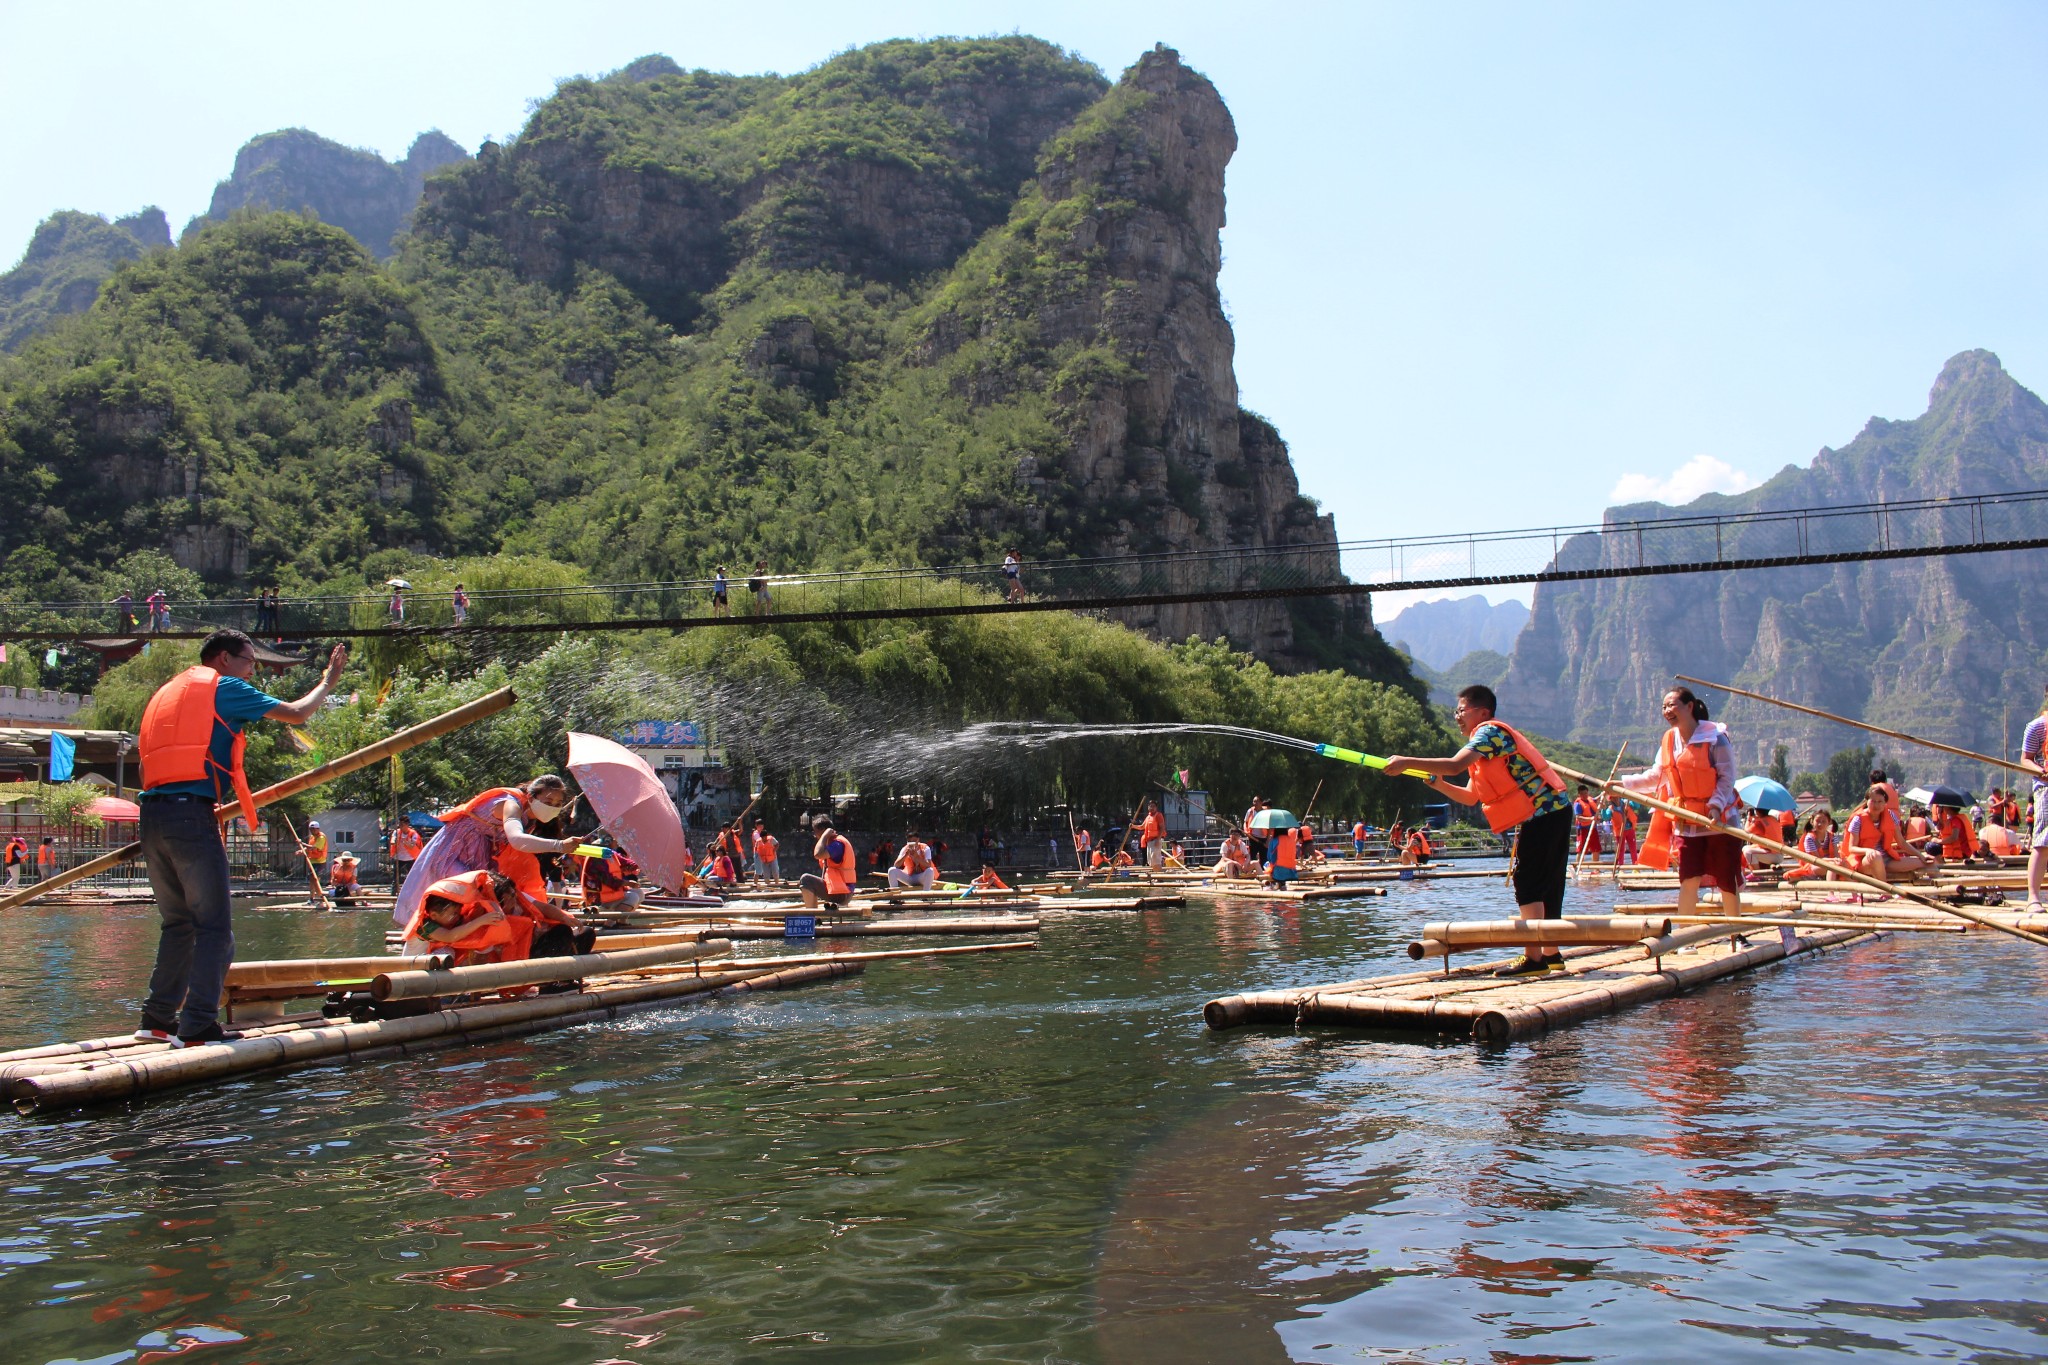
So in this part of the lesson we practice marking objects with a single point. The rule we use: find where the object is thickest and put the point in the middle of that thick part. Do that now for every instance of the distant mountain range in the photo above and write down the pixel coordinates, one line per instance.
(1953, 648)
(1441, 633)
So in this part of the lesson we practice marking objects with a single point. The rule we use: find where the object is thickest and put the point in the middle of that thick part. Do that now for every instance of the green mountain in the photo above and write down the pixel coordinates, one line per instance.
(924, 303)
(69, 257)
(369, 198)
(1951, 648)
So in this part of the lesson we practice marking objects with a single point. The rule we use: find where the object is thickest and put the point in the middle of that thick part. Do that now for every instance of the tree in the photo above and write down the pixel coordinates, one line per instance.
(1781, 770)
(1848, 776)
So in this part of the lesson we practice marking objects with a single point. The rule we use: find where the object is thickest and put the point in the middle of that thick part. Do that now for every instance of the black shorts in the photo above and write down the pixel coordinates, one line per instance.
(1543, 859)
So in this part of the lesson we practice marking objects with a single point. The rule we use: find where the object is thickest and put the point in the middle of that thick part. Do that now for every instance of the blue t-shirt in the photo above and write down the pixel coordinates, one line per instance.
(1492, 741)
(237, 703)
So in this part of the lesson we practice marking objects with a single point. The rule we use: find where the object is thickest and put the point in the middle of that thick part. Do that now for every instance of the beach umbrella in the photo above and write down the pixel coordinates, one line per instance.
(1760, 793)
(1939, 795)
(114, 809)
(1274, 818)
(631, 803)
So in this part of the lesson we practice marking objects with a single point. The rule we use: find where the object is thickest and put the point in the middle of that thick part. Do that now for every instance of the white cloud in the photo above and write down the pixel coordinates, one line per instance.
(1700, 475)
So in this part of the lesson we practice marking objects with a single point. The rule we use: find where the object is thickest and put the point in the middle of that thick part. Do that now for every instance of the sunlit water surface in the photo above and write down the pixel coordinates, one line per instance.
(1044, 1157)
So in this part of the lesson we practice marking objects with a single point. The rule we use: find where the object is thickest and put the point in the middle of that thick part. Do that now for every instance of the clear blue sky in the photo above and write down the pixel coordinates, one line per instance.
(1484, 262)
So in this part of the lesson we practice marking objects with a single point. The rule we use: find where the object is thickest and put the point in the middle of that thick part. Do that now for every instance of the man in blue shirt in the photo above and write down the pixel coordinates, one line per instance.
(192, 761)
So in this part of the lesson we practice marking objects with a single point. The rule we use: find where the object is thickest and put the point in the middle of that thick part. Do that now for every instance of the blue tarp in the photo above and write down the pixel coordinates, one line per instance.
(63, 753)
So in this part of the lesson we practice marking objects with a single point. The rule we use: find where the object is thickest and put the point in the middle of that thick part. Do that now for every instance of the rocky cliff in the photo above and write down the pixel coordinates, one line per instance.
(1953, 648)
(67, 260)
(1442, 633)
(924, 304)
(359, 192)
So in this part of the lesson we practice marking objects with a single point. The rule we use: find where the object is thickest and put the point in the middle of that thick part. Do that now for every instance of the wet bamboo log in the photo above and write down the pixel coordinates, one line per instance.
(354, 761)
(1801, 856)
(311, 970)
(1282, 1006)
(1970, 754)
(806, 959)
(1515, 933)
(535, 971)
(1505, 1023)
(116, 1077)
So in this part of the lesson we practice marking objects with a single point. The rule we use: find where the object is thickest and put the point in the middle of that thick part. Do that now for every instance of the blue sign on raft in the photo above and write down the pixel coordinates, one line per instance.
(800, 926)
(661, 734)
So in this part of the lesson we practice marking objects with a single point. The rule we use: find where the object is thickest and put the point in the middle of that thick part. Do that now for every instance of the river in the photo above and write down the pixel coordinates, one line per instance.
(1045, 1157)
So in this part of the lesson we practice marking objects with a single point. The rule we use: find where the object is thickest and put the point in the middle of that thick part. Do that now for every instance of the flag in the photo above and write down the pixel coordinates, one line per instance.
(1181, 779)
(3, 654)
(50, 659)
(63, 751)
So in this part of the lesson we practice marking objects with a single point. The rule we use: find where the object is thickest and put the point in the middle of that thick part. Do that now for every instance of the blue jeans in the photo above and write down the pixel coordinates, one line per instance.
(188, 870)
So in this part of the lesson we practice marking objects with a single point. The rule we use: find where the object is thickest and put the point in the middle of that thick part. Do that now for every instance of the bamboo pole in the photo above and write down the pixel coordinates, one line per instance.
(312, 872)
(1970, 754)
(487, 705)
(1802, 922)
(1800, 855)
(292, 971)
(1593, 826)
(534, 971)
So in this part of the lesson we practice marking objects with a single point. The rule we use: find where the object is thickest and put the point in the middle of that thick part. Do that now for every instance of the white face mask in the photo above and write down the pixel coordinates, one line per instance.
(543, 812)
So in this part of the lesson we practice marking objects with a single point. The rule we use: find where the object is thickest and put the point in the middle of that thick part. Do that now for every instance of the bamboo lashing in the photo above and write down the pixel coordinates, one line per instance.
(1800, 855)
(487, 705)
(535, 971)
(1970, 754)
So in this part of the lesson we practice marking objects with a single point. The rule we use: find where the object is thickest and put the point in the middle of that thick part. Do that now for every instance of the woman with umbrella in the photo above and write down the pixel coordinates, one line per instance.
(493, 831)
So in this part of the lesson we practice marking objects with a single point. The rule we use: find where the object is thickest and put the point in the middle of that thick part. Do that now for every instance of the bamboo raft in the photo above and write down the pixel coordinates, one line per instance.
(65, 1076)
(1470, 1002)
(1295, 892)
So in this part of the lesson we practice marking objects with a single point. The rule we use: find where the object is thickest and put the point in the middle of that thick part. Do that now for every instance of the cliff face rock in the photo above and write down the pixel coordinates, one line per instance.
(67, 260)
(1441, 633)
(1949, 647)
(359, 192)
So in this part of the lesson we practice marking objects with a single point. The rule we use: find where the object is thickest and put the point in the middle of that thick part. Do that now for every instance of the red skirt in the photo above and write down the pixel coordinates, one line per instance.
(1714, 857)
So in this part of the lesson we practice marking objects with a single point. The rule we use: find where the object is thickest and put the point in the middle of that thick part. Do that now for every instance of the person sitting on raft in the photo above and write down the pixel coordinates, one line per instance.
(1765, 824)
(1820, 841)
(1415, 853)
(913, 865)
(492, 831)
(1236, 858)
(988, 881)
(602, 882)
(1919, 829)
(1874, 843)
(1954, 841)
(342, 882)
(1999, 842)
(484, 917)
(721, 876)
(838, 870)
(1695, 769)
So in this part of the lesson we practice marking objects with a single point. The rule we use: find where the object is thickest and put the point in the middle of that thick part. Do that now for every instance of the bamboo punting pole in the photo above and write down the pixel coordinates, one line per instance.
(1970, 754)
(487, 705)
(535, 971)
(312, 872)
(1802, 922)
(1800, 855)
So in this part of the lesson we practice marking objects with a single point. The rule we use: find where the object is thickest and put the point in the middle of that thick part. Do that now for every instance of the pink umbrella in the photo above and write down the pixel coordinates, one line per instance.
(633, 806)
(114, 808)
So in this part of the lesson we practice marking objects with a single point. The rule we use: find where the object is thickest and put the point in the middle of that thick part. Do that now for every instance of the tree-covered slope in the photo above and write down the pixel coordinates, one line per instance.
(67, 260)
(925, 303)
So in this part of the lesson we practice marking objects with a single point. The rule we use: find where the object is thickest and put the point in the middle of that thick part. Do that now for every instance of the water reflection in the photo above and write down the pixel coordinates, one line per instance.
(1044, 1157)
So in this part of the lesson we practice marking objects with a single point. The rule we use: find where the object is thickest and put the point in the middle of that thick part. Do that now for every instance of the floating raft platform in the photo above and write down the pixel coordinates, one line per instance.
(1471, 1002)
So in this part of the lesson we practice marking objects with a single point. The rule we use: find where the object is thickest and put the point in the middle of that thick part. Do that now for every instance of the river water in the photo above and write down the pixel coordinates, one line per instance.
(1045, 1157)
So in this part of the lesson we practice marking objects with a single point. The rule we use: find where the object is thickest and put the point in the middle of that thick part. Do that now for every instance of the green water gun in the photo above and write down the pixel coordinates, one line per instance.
(1363, 760)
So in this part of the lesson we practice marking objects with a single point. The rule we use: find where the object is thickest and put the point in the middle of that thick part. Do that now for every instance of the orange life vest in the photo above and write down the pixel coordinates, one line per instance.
(914, 859)
(344, 873)
(405, 843)
(177, 738)
(1687, 777)
(1418, 842)
(1957, 838)
(316, 847)
(765, 848)
(842, 875)
(1358, 833)
(522, 867)
(1501, 798)
(510, 940)
(603, 882)
(1283, 849)
(1917, 828)
(1885, 838)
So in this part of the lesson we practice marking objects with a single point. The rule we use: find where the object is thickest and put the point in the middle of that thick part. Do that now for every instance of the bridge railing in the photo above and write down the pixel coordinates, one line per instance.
(1611, 549)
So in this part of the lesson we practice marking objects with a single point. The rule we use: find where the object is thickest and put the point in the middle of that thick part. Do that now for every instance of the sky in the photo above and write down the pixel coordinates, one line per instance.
(1489, 266)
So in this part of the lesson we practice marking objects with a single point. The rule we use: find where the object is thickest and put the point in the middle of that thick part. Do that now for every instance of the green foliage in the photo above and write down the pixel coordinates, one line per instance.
(65, 803)
(67, 260)
(1848, 776)
(1781, 769)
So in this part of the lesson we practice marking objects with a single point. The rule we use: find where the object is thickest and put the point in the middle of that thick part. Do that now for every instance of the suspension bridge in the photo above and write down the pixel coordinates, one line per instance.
(1690, 543)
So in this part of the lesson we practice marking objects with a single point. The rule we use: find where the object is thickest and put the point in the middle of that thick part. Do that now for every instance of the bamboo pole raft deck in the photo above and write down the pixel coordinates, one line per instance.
(1471, 1002)
(65, 1076)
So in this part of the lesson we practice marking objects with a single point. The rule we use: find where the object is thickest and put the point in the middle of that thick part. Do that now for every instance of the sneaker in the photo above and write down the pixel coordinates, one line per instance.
(212, 1033)
(1530, 966)
(149, 1033)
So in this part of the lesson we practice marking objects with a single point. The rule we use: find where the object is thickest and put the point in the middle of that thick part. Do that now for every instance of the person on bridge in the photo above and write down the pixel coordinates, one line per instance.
(1013, 576)
(191, 748)
(721, 604)
(459, 603)
(17, 856)
(1695, 768)
(758, 585)
(492, 830)
(1514, 786)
